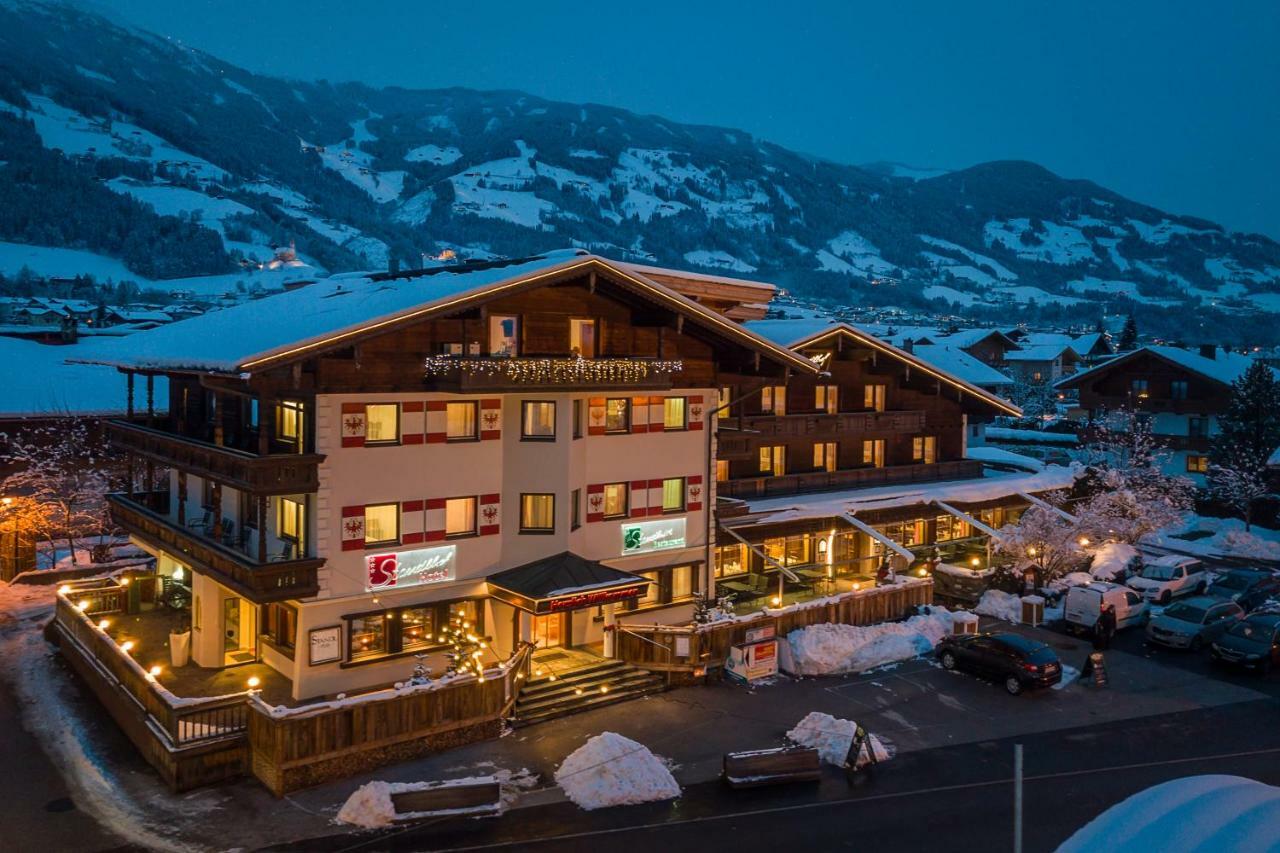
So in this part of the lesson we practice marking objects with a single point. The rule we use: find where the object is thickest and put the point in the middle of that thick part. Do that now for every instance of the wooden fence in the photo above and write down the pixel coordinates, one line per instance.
(681, 652)
(310, 745)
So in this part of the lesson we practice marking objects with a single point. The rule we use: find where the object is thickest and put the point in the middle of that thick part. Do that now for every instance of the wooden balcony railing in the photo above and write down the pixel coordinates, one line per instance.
(144, 516)
(737, 438)
(818, 481)
(467, 374)
(270, 475)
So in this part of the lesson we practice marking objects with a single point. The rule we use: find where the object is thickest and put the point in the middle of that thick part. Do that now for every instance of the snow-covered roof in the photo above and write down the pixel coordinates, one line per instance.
(959, 363)
(1225, 367)
(787, 332)
(991, 486)
(1085, 344)
(1040, 352)
(333, 310)
(999, 456)
(37, 381)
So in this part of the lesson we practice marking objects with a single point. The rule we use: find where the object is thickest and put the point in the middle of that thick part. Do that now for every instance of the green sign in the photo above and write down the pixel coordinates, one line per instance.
(657, 535)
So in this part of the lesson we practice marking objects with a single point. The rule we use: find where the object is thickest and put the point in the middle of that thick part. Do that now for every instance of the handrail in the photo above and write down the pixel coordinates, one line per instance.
(617, 627)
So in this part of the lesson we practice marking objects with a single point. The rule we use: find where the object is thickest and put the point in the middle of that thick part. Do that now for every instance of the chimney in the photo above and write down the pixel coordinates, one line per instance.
(908, 345)
(1208, 351)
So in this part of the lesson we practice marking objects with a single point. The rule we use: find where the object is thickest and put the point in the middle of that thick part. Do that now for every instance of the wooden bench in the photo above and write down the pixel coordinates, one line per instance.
(469, 797)
(771, 767)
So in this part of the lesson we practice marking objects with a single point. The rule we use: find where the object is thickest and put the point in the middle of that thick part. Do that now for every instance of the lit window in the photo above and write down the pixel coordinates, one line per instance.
(826, 399)
(924, 449)
(722, 470)
(504, 335)
(673, 413)
(289, 420)
(537, 513)
(368, 635)
(617, 414)
(417, 628)
(538, 420)
(681, 582)
(1197, 464)
(873, 397)
(582, 338)
(773, 399)
(824, 456)
(673, 494)
(731, 560)
(873, 452)
(461, 421)
(381, 524)
(289, 520)
(722, 402)
(459, 516)
(381, 423)
(773, 460)
(615, 500)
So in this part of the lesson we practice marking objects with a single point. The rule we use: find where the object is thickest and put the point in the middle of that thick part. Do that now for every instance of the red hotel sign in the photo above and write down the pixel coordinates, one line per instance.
(596, 597)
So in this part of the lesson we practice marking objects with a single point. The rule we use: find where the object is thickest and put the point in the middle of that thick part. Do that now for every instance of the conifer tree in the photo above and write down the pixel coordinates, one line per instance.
(1129, 335)
(1248, 433)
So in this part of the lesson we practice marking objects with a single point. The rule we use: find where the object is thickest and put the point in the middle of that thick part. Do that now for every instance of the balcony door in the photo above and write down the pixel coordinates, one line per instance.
(582, 337)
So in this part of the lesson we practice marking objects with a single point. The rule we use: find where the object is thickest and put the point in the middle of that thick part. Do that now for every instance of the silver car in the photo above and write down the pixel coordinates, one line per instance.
(1193, 623)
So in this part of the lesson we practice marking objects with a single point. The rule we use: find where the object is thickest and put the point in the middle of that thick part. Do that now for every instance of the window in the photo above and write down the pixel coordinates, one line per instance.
(652, 592)
(826, 399)
(1197, 464)
(722, 470)
(924, 448)
(577, 418)
(615, 500)
(460, 517)
(504, 331)
(665, 586)
(673, 494)
(537, 513)
(906, 533)
(673, 413)
(538, 420)
(681, 582)
(289, 421)
(773, 460)
(1037, 376)
(1198, 427)
(824, 455)
(368, 636)
(280, 626)
(873, 397)
(381, 524)
(873, 452)
(252, 414)
(461, 421)
(789, 550)
(1138, 387)
(1178, 389)
(381, 423)
(948, 527)
(206, 495)
(722, 401)
(582, 338)
(289, 520)
(417, 628)
(773, 399)
(575, 509)
(617, 414)
(731, 560)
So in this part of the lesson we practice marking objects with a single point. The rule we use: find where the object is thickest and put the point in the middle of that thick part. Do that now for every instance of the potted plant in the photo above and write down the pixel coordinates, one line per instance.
(180, 644)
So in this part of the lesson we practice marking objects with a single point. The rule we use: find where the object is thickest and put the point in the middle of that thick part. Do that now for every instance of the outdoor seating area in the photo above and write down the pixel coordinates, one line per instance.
(756, 590)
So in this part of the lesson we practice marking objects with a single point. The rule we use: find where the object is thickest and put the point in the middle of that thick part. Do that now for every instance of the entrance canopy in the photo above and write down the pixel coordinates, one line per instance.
(563, 582)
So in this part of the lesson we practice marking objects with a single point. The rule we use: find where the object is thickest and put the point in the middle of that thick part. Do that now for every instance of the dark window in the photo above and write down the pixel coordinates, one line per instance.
(575, 509)
(577, 418)
(280, 626)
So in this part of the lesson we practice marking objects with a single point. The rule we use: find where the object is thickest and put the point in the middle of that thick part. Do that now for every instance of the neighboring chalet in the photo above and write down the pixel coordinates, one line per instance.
(1178, 392)
(1041, 363)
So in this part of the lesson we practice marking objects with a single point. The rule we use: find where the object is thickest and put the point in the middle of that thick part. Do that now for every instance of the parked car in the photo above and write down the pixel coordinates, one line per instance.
(1252, 643)
(1020, 663)
(1247, 587)
(1084, 603)
(1193, 622)
(1164, 578)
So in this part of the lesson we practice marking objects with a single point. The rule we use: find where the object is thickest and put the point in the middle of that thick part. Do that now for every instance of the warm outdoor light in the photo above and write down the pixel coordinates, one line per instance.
(124, 581)
(178, 573)
(64, 589)
(776, 600)
(254, 681)
(126, 646)
(7, 501)
(1031, 552)
(975, 562)
(84, 605)
(154, 671)
(1084, 541)
(103, 625)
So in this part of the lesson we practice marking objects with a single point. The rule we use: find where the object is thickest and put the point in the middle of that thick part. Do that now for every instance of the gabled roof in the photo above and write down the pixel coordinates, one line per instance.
(1086, 344)
(1224, 367)
(337, 311)
(811, 336)
(959, 363)
(1041, 352)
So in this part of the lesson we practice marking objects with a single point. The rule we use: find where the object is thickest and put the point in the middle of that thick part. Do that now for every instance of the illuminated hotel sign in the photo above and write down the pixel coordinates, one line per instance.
(645, 536)
(411, 568)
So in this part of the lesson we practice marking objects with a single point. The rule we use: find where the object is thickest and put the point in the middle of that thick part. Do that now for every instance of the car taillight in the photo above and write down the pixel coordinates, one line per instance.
(1030, 667)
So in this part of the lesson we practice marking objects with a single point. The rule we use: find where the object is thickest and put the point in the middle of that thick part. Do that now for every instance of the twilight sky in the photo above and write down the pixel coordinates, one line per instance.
(1172, 103)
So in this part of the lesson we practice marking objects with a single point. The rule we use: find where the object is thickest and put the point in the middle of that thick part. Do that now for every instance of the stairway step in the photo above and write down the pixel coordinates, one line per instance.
(582, 704)
(605, 665)
(577, 680)
(568, 694)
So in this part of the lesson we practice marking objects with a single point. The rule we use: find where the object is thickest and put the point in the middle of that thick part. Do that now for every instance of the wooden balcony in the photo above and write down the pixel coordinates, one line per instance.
(143, 516)
(264, 475)
(820, 481)
(474, 374)
(740, 442)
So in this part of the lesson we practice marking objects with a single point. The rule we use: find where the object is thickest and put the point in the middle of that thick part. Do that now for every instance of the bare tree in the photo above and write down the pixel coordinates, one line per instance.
(1043, 540)
(1240, 489)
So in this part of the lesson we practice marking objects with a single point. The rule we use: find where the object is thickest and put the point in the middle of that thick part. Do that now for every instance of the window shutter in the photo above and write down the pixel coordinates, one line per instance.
(412, 522)
(353, 528)
(595, 498)
(490, 514)
(413, 422)
(657, 414)
(437, 422)
(595, 418)
(640, 415)
(433, 510)
(353, 428)
(490, 420)
(693, 411)
(693, 496)
(655, 497)
(637, 499)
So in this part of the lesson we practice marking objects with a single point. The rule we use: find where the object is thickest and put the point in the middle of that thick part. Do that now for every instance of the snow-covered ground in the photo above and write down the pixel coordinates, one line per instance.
(829, 649)
(833, 737)
(1225, 536)
(612, 770)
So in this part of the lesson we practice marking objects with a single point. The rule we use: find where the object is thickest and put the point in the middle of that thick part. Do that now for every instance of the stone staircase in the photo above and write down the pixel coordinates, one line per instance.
(558, 692)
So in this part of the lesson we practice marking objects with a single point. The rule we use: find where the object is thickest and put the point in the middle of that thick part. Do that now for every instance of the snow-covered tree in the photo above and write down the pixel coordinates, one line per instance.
(1128, 335)
(1248, 433)
(1036, 398)
(1238, 489)
(1042, 540)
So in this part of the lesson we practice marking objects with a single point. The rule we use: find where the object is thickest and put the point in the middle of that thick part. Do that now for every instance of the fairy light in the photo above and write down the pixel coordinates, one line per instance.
(83, 606)
(556, 371)
(126, 646)
(104, 625)
(64, 589)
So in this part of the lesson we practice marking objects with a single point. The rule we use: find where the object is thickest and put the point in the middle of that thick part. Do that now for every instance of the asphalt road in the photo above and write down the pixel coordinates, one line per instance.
(951, 798)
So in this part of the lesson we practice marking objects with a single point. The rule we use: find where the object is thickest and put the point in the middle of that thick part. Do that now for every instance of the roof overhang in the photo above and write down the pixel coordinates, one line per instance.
(564, 582)
(1100, 369)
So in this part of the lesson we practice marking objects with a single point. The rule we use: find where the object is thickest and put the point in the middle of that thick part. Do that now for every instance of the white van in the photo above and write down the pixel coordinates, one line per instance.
(1084, 603)
(1173, 574)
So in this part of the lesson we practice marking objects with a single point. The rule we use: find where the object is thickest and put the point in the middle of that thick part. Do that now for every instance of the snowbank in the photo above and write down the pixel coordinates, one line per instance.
(1214, 812)
(832, 737)
(1111, 559)
(1227, 536)
(828, 649)
(371, 806)
(1000, 605)
(611, 770)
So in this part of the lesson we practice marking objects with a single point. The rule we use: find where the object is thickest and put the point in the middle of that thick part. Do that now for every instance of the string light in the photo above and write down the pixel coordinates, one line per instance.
(254, 681)
(64, 589)
(103, 625)
(82, 606)
(555, 371)
(126, 646)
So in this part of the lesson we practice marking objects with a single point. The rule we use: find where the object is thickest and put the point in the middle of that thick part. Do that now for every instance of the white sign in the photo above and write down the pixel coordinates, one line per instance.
(326, 645)
(660, 535)
(411, 568)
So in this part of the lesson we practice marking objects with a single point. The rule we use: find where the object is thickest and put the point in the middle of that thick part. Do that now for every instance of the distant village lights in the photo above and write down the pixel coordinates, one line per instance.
(560, 371)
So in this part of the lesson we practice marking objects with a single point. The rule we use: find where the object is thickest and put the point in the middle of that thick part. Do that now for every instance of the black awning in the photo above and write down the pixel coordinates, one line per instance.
(562, 582)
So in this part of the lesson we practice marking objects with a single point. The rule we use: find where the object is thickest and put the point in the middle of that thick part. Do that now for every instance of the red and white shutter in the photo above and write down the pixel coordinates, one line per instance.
(595, 502)
(437, 421)
(639, 498)
(655, 497)
(693, 411)
(490, 514)
(412, 522)
(657, 414)
(490, 419)
(693, 493)
(595, 416)
(413, 422)
(640, 414)
(353, 528)
(434, 519)
(353, 425)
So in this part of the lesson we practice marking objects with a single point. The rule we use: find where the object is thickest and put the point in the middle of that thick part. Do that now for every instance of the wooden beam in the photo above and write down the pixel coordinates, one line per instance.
(128, 408)
(217, 511)
(182, 497)
(262, 528)
(151, 400)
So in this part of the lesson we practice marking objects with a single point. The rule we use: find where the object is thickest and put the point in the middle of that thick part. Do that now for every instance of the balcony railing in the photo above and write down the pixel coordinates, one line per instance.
(145, 516)
(496, 373)
(818, 481)
(270, 475)
(737, 438)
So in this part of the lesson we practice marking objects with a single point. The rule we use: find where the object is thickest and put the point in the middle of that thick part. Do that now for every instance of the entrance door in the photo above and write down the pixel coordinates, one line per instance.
(230, 625)
(548, 631)
(239, 624)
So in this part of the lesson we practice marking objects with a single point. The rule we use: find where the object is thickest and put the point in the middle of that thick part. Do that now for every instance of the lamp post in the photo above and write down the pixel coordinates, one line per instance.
(8, 507)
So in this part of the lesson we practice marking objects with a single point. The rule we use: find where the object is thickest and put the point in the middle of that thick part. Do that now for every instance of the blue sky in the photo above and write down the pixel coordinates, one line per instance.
(1172, 103)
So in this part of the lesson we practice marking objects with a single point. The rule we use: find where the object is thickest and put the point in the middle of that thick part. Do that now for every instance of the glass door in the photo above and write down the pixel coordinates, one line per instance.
(548, 631)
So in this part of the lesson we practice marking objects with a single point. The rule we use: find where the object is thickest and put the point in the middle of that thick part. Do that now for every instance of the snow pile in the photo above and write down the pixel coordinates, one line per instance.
(832, 737)
(829, 649)
(1226, 536)
(611, 770)
(1000, 605)
(1069, 674)
(370, 806)
(1213, 812)
(1071, 579)
(1111, 559)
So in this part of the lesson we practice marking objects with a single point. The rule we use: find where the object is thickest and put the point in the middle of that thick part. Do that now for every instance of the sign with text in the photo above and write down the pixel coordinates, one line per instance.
(659, 535)
(764, 632)
(595, 598)
(326, 645)
(411, 568)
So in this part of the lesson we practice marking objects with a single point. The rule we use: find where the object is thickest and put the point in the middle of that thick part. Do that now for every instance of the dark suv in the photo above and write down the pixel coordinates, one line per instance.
(1246, 587)
(1018, 662)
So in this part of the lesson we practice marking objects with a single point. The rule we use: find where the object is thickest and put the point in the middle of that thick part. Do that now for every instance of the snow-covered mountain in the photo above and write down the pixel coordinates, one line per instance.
(361, 177)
